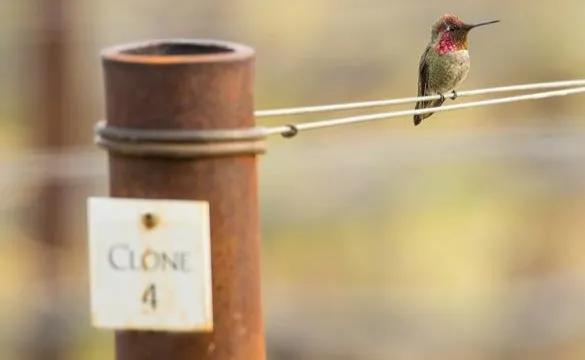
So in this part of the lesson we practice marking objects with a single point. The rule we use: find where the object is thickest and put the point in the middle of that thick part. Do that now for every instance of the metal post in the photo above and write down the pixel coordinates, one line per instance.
(184, 85)
(50, 126)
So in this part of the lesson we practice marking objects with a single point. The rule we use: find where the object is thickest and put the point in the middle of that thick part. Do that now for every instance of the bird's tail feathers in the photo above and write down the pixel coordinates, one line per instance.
(423, 105)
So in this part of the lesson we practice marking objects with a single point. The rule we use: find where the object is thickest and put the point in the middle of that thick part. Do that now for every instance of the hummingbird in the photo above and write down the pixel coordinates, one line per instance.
(445, 62)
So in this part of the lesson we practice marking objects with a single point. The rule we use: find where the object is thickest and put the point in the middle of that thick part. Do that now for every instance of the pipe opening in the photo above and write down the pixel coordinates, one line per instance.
(173, 49)
(178, 51)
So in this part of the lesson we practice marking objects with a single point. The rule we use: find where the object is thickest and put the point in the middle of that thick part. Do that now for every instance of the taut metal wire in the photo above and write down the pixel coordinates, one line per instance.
(380, 103)
(197, 143)
(291, 130)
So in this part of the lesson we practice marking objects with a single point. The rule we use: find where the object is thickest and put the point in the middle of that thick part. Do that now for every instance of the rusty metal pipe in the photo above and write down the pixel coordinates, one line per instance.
(191, 85)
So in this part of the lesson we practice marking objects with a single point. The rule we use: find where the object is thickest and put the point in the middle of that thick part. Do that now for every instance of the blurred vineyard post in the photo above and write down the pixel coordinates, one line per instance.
(51, 123)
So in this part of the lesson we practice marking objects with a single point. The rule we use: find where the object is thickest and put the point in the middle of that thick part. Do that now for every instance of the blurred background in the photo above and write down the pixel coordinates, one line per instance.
(459, 239)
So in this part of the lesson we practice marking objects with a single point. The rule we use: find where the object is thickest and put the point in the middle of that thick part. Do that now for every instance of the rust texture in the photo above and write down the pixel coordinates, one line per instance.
(194, 85)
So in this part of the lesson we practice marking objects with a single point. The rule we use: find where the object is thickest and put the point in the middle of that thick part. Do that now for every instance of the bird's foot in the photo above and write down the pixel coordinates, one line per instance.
(454, 95)
(442, 97)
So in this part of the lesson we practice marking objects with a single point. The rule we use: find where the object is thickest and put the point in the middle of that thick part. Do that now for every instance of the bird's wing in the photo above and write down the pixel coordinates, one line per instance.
(423, 74)
(423, 86)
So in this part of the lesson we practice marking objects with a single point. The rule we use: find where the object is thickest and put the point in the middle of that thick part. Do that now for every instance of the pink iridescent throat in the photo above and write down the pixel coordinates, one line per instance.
(446, 44)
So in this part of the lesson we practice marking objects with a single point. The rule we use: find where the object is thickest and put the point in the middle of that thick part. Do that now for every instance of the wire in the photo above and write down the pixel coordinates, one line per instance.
(288, 130)
(168, 140)
(378, 103)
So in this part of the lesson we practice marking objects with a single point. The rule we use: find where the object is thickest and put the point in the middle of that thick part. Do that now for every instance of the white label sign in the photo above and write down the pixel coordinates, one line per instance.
(150, 264)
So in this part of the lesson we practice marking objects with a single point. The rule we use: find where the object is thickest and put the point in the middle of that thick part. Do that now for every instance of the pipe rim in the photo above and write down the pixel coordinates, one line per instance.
(201, 51)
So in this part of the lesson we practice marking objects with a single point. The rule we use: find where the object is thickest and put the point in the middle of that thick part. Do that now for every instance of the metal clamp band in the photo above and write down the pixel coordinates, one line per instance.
(180, 144)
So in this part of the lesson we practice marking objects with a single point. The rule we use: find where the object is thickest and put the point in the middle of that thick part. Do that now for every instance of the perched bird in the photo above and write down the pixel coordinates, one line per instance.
(445, 62)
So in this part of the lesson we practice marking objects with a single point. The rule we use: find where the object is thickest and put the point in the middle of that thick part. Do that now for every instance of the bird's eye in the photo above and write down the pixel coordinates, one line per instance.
(448, 28)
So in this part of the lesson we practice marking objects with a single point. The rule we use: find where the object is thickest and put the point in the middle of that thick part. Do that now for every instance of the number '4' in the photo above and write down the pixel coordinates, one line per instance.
(149, 296)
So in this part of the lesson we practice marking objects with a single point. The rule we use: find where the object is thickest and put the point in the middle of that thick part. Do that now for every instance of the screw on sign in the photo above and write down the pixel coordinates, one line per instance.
(149, 220)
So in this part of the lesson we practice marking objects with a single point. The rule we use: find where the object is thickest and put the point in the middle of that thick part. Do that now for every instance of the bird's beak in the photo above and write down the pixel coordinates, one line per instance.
(471, 26)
